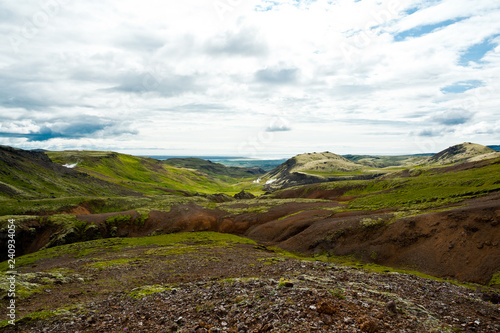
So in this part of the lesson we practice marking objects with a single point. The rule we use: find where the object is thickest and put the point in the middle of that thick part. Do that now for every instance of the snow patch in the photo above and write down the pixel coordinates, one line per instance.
(270, 181)
(70, 166)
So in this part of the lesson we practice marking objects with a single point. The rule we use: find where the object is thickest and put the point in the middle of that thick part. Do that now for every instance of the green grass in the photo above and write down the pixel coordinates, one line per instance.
(148, 175)
(430, 189)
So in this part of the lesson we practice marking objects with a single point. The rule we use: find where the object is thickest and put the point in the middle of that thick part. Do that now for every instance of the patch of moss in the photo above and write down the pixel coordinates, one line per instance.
(144, 291)
(495, 279)
(337, 293)
(111, 263)
(283, 282)
(369, 223)
(83, 249)
(28, 284)
(118, 219)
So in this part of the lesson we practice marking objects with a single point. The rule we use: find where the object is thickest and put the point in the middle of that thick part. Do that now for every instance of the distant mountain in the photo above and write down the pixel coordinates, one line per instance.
(312, 168)
(32, 175)
(214, 169)
(494, 147)
(464, 152)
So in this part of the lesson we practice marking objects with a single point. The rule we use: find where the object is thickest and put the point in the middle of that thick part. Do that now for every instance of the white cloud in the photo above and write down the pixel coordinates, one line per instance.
(209, 77)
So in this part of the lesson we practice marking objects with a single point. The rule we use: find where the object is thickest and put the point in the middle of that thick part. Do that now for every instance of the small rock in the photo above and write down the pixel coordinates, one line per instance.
(327, 307)
(391, 306)
(368, 324)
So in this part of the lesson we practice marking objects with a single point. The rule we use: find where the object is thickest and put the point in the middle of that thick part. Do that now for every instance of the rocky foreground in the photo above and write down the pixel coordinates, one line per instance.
(310, 297)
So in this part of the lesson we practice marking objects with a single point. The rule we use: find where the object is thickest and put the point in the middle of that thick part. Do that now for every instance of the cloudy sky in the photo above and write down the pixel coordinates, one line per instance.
(253, 78)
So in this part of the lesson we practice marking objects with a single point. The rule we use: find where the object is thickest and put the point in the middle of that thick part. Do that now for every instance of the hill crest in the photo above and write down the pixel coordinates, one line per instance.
(464, 152)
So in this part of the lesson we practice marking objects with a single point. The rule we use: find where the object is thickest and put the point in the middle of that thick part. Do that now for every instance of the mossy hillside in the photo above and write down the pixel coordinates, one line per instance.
(263, 205)
(25, 178)
(388, 161)
(116, 244)
(144, 174)
(214, 169)
(96, 205)
(427, 189)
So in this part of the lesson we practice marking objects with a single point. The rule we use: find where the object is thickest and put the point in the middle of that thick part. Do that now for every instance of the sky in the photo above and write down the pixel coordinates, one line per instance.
(254, 78)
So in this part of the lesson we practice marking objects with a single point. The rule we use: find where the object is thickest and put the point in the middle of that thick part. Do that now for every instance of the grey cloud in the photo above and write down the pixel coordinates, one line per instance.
(453, 117)
(245, 42)
(199, 108)
(71, 129)
(430, 132)
(277, 76)
(434, 131)
(173, 85)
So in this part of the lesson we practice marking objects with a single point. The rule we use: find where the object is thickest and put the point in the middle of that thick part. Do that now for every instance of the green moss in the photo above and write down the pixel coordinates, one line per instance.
(283, 282)
(144, 291)
(111, 263)
(118, 219)
(337, 293)
(28, 284)
(495, 279)
(369, 223)
(83, 249)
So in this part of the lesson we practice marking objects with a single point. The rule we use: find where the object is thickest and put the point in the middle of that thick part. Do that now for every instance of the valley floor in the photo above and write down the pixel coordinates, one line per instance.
(208, 282)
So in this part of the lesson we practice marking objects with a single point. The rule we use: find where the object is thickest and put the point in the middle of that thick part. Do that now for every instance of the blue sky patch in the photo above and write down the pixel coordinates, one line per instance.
(461, 87)
(411, 10)
(424, 29)
(476, 52)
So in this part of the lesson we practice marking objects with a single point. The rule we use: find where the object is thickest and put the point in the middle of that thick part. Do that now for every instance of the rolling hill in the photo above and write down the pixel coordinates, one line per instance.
(437, 218)
(144, 174)
(214, 169)
(312, 168)
(32, 175)
(464, 152)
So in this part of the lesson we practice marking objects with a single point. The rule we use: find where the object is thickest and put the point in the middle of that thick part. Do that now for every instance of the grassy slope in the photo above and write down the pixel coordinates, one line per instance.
(387, 161)
(426, 188)
(31, 177)
(214, 169)
(463, 152)
(144, 174)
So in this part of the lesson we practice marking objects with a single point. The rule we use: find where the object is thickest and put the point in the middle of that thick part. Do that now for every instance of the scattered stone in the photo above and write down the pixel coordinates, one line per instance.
(368, 324)
(327, 307)
(492, 298)
(391, 306)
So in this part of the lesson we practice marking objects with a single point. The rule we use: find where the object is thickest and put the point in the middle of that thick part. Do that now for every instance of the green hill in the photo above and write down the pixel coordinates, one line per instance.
(32, 175)
(315, 168)
(376, 161)
(143, 174)
(214, 169)
(465, 152)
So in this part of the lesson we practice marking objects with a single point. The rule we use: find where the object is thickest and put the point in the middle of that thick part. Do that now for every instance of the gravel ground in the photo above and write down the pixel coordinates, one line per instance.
(310, 297)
